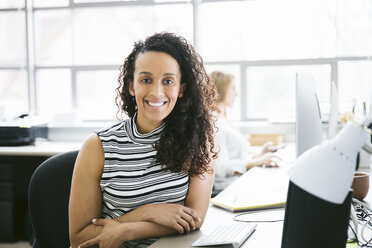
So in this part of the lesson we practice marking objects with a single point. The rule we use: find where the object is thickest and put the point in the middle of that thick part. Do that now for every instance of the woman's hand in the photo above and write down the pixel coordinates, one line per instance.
(268, 147)
(176, 216)
(266, 160)
(111, 235)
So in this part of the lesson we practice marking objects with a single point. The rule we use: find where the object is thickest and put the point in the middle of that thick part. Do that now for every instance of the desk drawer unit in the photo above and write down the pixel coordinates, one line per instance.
(6, 202)
(5, 172)
(7, 225)
(6, 191)
(15, 174)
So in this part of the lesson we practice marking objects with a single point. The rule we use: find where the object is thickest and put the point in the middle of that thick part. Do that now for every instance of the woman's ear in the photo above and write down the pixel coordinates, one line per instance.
(131, 88)
(182, 90)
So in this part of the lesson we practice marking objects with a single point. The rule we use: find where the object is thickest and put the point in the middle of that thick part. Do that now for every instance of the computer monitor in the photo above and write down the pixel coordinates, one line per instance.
(308, 119)
(333, 112)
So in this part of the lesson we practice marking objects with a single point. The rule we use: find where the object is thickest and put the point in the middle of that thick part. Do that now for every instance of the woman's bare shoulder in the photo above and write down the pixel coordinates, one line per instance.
(91, 152)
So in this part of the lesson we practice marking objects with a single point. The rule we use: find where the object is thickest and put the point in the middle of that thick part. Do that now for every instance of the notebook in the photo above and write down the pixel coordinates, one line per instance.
(259, 188)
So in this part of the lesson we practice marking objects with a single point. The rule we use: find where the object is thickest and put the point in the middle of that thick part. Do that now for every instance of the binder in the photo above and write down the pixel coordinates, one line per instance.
(257, 189)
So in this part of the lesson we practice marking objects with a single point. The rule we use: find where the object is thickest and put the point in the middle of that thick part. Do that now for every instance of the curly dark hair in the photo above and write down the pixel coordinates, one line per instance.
(187, 140)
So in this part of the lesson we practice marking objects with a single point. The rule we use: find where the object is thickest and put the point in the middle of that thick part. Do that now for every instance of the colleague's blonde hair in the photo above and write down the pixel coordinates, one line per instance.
(221, 80)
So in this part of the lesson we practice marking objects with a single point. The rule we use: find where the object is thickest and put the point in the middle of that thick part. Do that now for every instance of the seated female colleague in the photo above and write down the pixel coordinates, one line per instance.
(233, 158)
(150, 175)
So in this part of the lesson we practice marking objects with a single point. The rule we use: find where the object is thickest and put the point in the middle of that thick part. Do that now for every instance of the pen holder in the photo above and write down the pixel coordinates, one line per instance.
(360, 185)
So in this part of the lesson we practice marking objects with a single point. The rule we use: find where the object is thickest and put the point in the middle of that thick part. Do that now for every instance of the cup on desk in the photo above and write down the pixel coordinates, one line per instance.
(360, 185)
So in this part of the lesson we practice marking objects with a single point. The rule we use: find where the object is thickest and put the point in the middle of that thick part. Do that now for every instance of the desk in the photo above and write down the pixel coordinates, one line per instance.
(17, 164)
(40, 148)
(267, 235)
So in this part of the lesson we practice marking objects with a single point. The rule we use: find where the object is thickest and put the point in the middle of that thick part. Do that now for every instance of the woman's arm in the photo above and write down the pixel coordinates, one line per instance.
(85, 196)
(268, 160)
(114, 233)
(188, 217)
(226, 166)
(180, 218)
(177, 217)
(200, 190)
(197, 200)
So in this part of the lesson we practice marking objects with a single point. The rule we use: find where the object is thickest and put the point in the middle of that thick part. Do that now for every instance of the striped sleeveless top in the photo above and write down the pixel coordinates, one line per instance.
(131, 176)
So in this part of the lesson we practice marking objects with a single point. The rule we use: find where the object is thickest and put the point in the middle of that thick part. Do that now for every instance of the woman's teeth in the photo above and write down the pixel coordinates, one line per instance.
(156, 104)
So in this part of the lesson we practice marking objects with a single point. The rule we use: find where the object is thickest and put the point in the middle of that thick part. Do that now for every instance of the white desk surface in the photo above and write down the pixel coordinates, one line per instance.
(267, 235)
(40, 148)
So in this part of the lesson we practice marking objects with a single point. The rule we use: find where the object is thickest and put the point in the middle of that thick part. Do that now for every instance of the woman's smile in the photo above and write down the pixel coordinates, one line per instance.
(156, 104)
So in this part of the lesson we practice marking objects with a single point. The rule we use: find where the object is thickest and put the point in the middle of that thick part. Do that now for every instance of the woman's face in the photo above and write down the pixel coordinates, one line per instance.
(156, 88)
(230, 94)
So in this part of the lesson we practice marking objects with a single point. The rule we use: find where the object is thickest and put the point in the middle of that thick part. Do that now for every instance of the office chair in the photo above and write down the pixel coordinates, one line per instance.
(48, 198)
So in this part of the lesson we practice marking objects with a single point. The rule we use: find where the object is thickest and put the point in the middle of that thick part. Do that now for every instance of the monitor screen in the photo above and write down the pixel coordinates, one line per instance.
(308, 119)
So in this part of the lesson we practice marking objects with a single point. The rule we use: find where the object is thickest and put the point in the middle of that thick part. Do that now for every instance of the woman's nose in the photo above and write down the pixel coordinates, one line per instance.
(157, 89)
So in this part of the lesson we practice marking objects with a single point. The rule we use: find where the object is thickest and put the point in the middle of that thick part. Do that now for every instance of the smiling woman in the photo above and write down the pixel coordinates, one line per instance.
(150, 175)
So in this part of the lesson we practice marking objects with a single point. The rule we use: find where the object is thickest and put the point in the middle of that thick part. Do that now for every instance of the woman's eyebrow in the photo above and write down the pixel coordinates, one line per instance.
(150, 74)
(169, 74)
(145, 72)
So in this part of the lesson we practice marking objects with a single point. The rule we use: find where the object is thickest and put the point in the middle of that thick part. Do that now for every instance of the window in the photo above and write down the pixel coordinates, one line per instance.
(14, 98)
(266, 30)
(62, 56)
(272, 40)
(13, 93)
(276, 85)
(355, 84)
(96, 94)
(79, 48)
(54, 93)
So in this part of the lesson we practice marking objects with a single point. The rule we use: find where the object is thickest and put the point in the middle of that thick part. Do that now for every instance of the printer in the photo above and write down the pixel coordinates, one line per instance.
(22, 132)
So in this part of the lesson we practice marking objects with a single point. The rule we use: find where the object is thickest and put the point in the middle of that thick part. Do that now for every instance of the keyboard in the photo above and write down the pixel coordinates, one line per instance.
(232, 234)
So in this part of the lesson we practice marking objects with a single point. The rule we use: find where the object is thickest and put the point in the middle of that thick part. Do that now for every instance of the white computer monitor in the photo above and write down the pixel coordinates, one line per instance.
(308, 118)
(333, 112)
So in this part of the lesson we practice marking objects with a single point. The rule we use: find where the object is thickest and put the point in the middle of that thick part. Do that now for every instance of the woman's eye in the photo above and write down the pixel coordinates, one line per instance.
(145, 80)
(168, 81)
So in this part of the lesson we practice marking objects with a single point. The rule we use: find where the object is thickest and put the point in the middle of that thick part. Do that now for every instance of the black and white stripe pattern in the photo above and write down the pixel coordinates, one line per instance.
(131, 177)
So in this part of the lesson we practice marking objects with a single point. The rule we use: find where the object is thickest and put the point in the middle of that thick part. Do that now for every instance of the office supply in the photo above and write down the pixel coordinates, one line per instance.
(232, 234)
(360, 185)
(319, 191)
(361, 214)
(21, 132)
(309, 130)
(258, 188)
(260, 139)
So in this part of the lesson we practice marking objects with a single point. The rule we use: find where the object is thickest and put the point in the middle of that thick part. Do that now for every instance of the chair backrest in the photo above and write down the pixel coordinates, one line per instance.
(48, 199)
